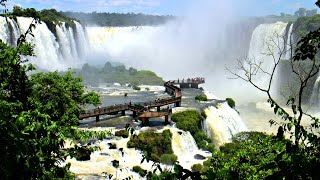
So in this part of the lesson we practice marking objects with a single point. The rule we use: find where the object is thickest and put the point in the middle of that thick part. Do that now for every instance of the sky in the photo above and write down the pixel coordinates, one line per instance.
(167, 7)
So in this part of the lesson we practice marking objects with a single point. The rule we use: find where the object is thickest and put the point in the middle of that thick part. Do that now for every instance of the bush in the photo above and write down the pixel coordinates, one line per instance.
(122, 133)
(189, 120)
(203, 114)
(203, 141)
(112, 145)
(139, 170)
(152, 144)
(197, 168)
(115, 163)
(168, 159)
(135, 87)
(201, 98)
(231, 102)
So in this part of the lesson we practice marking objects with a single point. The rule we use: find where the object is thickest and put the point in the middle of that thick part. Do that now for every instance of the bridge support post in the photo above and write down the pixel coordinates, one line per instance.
(145, 121)
(178, 104)
(123, 113)
(166, 119)
(194, 85)
(158, 108)
(97, 118)
(134, 114)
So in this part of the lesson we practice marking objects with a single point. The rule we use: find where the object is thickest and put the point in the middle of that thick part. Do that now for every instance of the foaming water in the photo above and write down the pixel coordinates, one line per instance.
(185, 147)
(222, 123)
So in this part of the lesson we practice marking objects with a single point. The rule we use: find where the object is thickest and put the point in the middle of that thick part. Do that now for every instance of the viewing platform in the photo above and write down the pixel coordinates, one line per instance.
(143, 110)
(189, 82)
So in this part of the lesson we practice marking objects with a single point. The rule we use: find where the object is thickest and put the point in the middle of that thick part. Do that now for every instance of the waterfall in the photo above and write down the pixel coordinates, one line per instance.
(266, 39)
(4, 32)
(289, 42)
(222, 123)
(315, 97)
(67, 49)
(81, 40)
(46, 47)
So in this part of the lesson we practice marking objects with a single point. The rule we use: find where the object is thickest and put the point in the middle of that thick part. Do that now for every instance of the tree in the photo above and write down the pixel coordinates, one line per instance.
(300, 12)
(305, 151)
(37, 114)
(311, 12)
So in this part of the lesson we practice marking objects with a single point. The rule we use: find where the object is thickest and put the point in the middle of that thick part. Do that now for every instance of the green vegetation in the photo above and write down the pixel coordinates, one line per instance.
(37, 114)
(122, 133)
(135, 87)
(110, 74)
(255, 155)
(201, 98)
(118, 19)
(197, 168)
(190, 120)
(50, 16)
(139, 170)
(304, 25)
(168, 159)
(153, 145)
(231, 102)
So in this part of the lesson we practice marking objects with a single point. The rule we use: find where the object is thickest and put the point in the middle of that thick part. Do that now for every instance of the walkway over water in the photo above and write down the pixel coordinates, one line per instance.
(142, 109)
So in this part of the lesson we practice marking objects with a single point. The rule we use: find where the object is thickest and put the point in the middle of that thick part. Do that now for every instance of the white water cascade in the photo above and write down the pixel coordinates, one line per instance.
(67, 49)
(185, 147)
(289, 43)
(266, 39)
(315, 97)
(222, 123)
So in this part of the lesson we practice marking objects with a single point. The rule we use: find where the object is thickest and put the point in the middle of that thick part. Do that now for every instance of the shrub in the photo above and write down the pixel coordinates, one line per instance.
(197, 168)
(168, 159)
(115, 163)
(203, 141)
(112, 145)
(231, 102)
(152, 144)
(189, 120)
(122, 133)
(201, 98)
(203, 114)
(139, 170)
(135, 87)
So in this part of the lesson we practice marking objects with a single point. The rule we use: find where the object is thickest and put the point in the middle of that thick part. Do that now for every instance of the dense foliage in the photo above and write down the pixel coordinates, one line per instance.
(37, 115)
(122, 133)
(139, 170)
(50, 16)
(231, 102)
(118, 19)
(255, 155)
(154, 145)
(110, 74)
(305, 24)
(201, 98)
(190, 120)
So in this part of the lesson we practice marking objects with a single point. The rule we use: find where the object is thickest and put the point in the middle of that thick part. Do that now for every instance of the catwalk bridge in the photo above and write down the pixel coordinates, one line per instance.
(141, 110)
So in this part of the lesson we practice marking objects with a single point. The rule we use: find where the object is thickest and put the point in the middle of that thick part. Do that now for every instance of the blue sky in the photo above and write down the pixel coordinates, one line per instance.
(171, 7)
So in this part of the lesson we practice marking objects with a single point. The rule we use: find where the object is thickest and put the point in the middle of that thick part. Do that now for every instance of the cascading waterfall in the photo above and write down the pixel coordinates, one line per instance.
(68, 49)
(81, 40)
(65, 41)
(222, 123)
(4, 32)
(185, 147)
(289, 43)
(266, 39)
(315, 97)
(46, 48)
